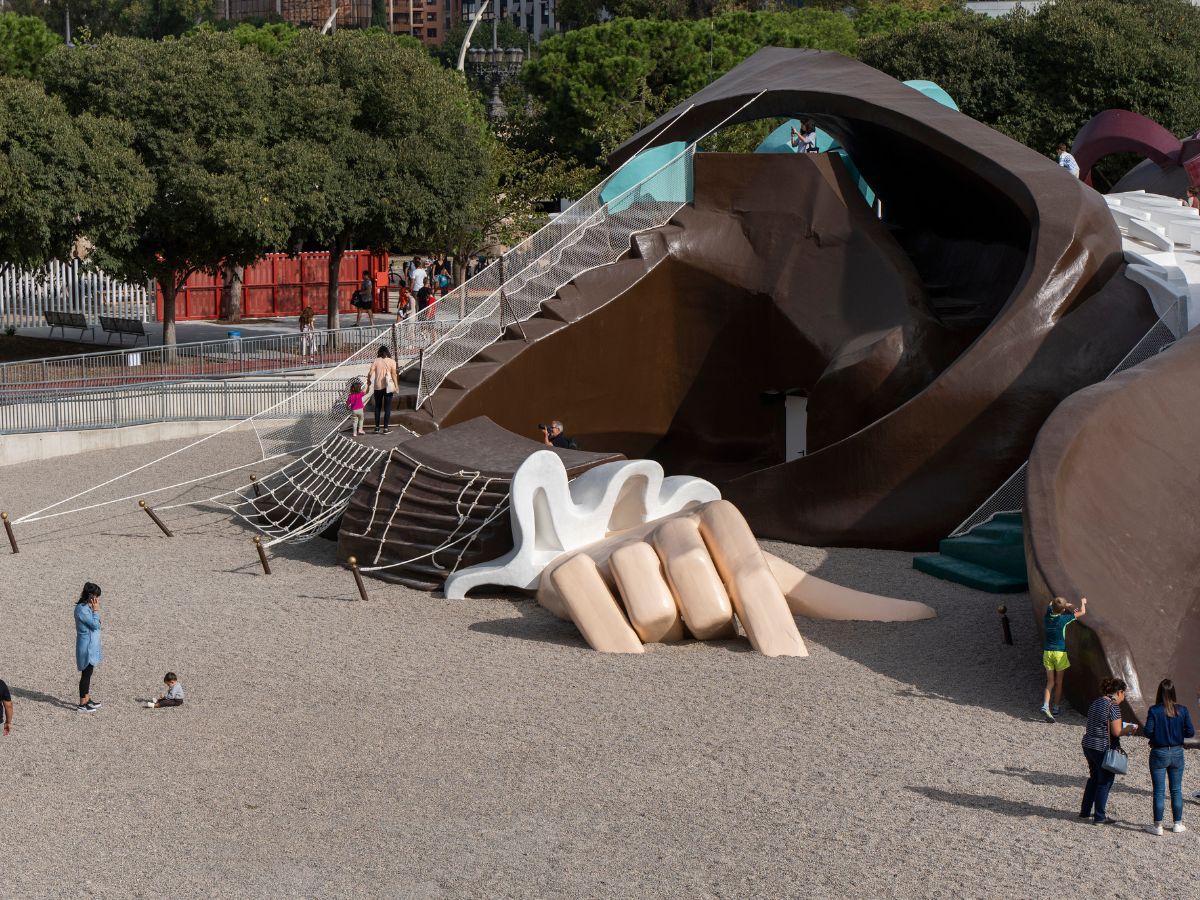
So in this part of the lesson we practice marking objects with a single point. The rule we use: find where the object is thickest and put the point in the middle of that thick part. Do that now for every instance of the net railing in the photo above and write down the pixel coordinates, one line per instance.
(205, 360)
(594, 231)
(1010, 496)
(599, 238)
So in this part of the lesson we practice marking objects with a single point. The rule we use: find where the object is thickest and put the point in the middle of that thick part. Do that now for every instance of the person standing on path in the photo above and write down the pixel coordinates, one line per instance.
(1168, 725)
(1066, 160)
(1104, 730)
(6, 715)
(1059, 614)
(87, 643)
(382, 377)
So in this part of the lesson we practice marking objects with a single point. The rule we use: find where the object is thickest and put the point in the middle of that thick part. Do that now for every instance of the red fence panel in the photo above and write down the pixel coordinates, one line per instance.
(280, 285)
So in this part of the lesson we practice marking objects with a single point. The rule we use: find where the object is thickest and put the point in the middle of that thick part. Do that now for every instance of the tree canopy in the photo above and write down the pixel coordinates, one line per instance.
(599, 85)
(199, 110)
(1040, 77)
(24, 42)
(381, 146)
(61, 178)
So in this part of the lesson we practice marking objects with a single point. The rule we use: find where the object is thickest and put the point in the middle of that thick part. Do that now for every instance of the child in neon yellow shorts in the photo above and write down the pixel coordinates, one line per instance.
(1059, 614)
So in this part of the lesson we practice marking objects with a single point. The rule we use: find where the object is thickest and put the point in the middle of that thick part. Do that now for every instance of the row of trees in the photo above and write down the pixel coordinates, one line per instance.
(204, 153)
(1036, 77)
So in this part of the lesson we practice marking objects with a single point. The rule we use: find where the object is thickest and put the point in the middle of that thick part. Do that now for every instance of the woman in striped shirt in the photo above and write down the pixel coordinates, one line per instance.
(1104, 730)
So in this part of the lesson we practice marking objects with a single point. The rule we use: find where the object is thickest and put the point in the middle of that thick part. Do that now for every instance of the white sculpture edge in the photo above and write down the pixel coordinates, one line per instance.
(551, 516)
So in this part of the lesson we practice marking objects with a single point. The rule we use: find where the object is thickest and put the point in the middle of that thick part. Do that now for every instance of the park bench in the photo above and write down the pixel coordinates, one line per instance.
(122, 327)
(65, 320)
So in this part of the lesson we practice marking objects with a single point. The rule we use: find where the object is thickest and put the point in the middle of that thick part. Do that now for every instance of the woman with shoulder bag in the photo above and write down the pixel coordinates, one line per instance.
(382, 377)
(1103, 739)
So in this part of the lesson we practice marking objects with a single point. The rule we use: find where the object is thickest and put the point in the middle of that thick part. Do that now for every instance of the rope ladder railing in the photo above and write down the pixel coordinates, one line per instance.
(601, 235)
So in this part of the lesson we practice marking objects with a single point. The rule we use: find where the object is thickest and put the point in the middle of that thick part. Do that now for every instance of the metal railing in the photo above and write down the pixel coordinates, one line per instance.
(595, 231)
(1010, 496)
(170, 402)
(208, 360)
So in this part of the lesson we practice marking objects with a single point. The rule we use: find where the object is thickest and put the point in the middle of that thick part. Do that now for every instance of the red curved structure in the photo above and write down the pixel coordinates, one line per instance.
(1122, 131)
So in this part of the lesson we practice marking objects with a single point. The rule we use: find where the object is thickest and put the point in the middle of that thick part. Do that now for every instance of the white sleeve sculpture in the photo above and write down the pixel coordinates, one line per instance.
(681, 560)
(551, 516)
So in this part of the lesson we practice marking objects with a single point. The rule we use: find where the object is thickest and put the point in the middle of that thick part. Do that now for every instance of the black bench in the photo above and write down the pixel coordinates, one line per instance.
(65, 320)
(122, 327)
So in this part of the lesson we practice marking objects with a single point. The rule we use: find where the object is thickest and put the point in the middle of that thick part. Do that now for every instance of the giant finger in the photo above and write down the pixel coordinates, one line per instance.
(592, 606)
(816, 598)
(648, 599)
(757, 599)
(703, 601)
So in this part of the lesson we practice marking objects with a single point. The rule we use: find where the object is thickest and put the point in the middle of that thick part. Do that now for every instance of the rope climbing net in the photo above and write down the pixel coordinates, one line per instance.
(472, 486)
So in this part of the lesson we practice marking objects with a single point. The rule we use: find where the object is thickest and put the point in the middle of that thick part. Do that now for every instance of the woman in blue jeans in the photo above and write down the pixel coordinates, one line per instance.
(1104, 730)
(1168, 725)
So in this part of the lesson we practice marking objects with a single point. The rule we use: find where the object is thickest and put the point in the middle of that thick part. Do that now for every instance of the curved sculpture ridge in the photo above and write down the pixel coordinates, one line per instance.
(551, 516)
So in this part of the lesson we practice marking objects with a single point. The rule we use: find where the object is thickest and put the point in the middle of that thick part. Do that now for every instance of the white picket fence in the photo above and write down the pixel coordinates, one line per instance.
(70, 287)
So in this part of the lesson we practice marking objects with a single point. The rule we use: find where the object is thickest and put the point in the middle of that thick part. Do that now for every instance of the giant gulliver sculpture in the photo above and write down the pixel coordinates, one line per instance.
(930, 343)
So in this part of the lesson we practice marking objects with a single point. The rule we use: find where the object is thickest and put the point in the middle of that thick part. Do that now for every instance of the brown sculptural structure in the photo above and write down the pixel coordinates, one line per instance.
(1111, 514)
(931, 343)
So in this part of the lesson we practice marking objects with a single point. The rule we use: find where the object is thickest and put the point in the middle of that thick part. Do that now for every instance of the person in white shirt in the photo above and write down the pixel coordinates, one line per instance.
(1067, 161)
(418, 278)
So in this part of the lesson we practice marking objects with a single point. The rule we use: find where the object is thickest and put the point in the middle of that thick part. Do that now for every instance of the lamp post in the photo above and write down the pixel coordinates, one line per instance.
(494, 67)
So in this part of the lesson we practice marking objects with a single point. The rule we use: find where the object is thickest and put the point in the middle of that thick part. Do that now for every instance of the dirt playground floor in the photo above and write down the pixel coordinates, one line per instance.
(418, 747)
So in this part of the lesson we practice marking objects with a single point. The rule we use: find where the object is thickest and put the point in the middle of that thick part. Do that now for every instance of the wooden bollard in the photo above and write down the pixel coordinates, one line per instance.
(12, 538)
(153, 515)
(362, 588)
(1003, 610)
(254, 485)
(262, 555)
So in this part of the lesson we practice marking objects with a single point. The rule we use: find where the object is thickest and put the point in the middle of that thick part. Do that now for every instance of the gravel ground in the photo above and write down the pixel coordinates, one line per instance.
(415, 747)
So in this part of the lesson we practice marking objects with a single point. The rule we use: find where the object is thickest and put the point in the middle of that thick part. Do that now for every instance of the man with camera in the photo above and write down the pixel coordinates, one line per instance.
(553, 436)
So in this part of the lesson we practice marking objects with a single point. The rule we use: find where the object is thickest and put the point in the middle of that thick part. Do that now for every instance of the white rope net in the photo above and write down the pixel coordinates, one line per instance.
(302, 497)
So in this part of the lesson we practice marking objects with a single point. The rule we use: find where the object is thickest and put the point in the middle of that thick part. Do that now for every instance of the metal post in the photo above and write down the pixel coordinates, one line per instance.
(12, 538)
(154, 516)
(362, 588)
(262, 555)
(254, 485)
(1003, 610)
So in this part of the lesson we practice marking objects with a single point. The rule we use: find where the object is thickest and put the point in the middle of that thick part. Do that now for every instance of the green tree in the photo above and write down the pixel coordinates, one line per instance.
(1038, 78)
(511, 205)
(267, 37)
(891, 17)
(62, 178)
(599, 85)
(162, 18)
(24, 42)
(199, 110)
(378, 146)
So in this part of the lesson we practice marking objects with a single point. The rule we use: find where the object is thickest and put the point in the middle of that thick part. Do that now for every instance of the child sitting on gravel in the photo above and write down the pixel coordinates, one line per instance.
(1059, 614)
(355, 403)
(172, 696)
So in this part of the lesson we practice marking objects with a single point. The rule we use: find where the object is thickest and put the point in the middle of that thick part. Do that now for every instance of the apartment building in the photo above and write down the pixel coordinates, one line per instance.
(426, 20)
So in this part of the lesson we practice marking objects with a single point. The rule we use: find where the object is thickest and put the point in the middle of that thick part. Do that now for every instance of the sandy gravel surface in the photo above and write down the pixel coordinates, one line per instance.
(414, 747)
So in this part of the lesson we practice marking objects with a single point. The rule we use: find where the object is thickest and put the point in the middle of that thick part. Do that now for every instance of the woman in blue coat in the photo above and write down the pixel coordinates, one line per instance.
(87, 643)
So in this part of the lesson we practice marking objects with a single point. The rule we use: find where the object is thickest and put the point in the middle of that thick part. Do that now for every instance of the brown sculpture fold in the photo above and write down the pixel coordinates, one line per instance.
(930, 343)
(1111, 515)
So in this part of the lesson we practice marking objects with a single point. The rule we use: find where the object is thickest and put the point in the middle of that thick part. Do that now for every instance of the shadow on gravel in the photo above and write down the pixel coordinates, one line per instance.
(1018, 808)
(534, 624)
(1054, 779)
(39, 697)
